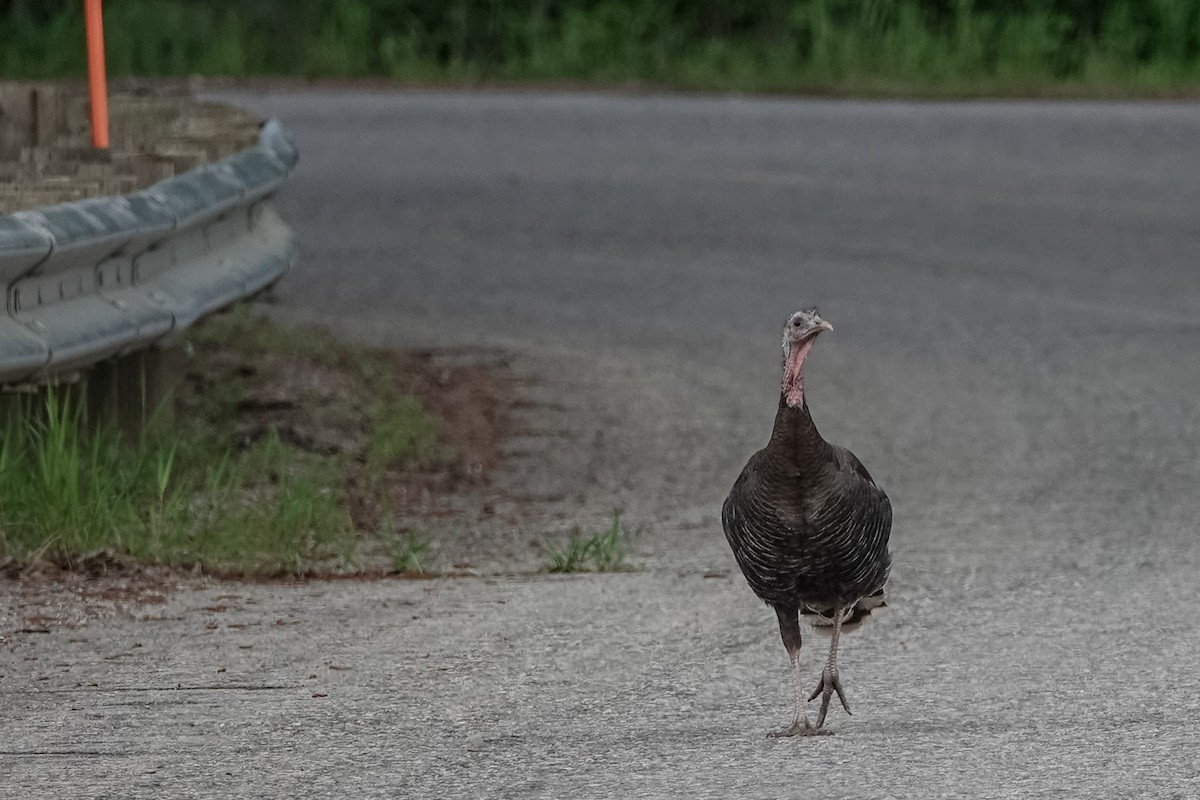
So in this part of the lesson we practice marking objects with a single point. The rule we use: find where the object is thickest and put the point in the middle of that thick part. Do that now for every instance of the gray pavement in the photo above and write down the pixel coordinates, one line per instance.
(1016, 358)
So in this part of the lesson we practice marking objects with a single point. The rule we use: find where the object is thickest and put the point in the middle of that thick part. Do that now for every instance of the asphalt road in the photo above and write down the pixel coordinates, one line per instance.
(1016, 298)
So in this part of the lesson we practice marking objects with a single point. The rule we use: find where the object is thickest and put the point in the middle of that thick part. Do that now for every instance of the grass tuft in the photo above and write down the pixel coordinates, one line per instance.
(571, 557)
(410, 554)
(603, 552)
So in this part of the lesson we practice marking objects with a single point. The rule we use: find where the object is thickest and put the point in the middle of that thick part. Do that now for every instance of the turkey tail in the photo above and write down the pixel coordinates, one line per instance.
(822, 618)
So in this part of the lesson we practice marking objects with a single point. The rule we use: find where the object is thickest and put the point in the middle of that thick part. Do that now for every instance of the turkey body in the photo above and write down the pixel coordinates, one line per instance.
(808, 525)
(809, 528)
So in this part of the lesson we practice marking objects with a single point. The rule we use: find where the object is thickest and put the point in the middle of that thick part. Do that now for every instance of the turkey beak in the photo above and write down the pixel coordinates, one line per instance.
(818, 326)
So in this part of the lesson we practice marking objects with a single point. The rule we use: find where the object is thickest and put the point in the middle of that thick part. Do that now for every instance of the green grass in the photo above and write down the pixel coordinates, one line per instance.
(187, 494)
(271, 509)
(70, 494)
(859, 46)
(410, 553)
(401, 433)
(605, 551)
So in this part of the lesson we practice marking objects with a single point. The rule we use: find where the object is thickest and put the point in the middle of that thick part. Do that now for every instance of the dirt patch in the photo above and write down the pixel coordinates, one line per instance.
(326, 407)
(46, 598)
(471, 407)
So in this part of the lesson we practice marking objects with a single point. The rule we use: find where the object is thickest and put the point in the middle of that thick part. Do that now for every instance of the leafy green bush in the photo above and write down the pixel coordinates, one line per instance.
(871, 45)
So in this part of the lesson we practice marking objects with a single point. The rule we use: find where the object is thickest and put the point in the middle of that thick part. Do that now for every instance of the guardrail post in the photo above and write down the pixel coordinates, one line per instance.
(142, 385)
(11, 410)
(101, 394)
(164, 368)
(131, 393)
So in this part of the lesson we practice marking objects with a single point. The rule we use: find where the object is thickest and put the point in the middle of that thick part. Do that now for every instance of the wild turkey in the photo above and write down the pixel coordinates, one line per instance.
(809, 528)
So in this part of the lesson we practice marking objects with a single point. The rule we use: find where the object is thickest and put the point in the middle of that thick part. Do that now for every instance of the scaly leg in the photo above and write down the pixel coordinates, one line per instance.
(829, 677)
(789, 630)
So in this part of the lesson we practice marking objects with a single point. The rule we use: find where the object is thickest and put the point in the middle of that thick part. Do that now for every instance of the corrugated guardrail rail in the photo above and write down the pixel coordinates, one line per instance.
(102, 277)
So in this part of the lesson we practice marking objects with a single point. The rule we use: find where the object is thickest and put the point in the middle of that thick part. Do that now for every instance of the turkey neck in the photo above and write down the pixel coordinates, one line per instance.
(796, 444)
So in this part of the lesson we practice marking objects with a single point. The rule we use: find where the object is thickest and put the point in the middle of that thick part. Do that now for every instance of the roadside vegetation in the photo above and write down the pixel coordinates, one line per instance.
(410, 554)
(271, 462)
(605, 551)
(883, 47)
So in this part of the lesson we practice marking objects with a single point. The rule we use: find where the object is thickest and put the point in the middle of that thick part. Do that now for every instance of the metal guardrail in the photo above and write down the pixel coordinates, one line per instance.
(98, 278)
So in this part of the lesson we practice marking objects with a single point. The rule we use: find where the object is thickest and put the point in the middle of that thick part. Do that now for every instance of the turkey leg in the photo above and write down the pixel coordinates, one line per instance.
(789, 630)
(829, 676)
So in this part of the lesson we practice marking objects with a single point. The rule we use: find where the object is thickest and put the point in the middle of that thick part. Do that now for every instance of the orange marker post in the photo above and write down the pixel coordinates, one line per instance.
(97, 84)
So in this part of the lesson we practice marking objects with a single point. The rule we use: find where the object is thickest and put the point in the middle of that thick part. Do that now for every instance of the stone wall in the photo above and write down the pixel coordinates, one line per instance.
(46, 155)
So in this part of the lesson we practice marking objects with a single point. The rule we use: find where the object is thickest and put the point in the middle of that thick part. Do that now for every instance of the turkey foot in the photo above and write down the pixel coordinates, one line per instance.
(829, 684)
(798, 728)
